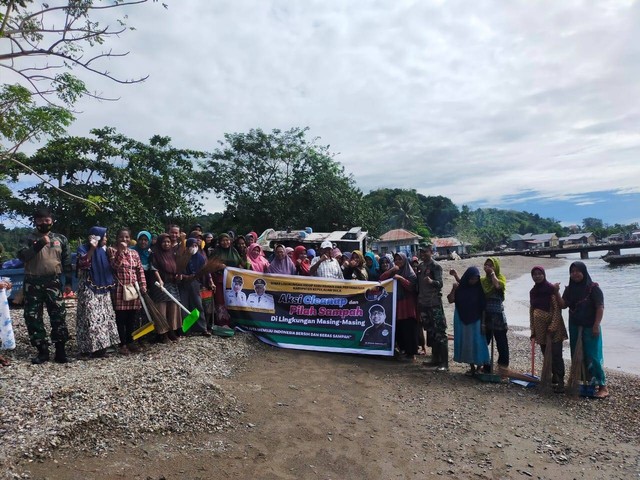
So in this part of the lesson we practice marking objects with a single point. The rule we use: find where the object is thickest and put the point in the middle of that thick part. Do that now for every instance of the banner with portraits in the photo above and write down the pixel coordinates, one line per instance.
(311, 313)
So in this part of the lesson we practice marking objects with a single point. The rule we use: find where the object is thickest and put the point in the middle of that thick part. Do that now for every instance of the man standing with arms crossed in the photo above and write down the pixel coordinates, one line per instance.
(430, 307)
(45, 256)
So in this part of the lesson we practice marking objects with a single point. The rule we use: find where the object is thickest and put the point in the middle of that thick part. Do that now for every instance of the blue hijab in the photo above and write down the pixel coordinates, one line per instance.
(374, 271)
(100, 276)
(146, 253)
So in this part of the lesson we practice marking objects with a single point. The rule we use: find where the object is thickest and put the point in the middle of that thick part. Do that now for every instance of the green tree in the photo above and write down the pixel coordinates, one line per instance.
(282, 180)
(439, 213)
(136, 184)
(42, 47)
(406, 212)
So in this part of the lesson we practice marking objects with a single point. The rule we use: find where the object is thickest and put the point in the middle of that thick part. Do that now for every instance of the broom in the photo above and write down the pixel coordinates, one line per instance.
(213, 265)
(157, 321)
(547, 366)
(182, 257)
(577, 366)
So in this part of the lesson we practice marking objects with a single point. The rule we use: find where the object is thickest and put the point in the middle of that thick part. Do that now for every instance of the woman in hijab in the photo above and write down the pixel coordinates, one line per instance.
(165, 269)
(311, 253)
(257, 259)
(469, 344)
(373, 269)
(300, 261)
(143, 244)
(127, 270)
(355, 269)
(494, 285)
(385, 263)
(406, 305)
(229, 256)
(209, 244)
(585, 301)
(190, 284)
(96, 328)
(289, 252)
(281, 262)
(545, 316)
(241, 247)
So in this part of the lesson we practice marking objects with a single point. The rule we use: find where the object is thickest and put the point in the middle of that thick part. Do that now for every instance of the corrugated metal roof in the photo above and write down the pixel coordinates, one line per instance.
(399, 234)
(446, 242)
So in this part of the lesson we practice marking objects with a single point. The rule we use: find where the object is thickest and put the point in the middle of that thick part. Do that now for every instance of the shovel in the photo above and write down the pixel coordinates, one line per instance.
(192, 316)
(147, 327)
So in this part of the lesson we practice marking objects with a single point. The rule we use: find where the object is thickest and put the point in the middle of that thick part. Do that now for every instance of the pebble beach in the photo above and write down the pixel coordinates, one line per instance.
(92, 407)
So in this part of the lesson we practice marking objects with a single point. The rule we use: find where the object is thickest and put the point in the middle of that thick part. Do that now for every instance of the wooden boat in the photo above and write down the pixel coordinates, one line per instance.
(613, 259)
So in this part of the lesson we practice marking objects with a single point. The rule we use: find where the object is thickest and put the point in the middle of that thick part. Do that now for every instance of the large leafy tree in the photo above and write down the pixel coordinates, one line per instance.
(135, 184)
(282, 179)
(43, 46)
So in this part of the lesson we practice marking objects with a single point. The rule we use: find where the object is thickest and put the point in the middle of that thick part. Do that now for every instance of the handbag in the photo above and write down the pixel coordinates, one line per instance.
(129, 293)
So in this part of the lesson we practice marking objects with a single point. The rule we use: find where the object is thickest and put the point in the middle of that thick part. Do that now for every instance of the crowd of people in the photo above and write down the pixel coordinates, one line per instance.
(115, 279)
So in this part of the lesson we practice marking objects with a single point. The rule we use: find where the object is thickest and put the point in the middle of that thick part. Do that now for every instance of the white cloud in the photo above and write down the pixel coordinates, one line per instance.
(475, 101)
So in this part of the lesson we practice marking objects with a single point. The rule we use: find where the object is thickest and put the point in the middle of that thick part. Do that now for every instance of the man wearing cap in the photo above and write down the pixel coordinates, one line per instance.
(325, 265)
(379, 333)
(46, 256)
(235, 296)
(430, 307)
(260, 299)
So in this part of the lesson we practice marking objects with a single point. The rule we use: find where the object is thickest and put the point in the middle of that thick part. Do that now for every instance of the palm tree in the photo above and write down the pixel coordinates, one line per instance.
(405, 212)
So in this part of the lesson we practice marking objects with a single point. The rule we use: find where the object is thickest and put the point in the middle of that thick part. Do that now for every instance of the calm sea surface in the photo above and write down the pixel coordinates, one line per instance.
(621, 322)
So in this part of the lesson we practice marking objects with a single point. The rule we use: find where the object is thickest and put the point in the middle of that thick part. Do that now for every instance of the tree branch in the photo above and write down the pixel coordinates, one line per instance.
(11, 158)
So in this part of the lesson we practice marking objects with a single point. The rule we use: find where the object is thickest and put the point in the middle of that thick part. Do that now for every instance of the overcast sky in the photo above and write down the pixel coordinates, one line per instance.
(531, 105)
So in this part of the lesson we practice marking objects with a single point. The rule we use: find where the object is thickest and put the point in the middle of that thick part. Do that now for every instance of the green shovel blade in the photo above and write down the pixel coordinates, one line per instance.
(190, 319)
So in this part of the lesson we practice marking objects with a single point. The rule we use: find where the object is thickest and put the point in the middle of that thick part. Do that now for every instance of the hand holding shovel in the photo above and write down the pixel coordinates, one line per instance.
(191, 318)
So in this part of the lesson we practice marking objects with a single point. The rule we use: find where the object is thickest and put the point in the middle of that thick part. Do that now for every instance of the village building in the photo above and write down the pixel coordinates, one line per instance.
(398, 240)
(447, 246)
(530, 241)
(587, 238)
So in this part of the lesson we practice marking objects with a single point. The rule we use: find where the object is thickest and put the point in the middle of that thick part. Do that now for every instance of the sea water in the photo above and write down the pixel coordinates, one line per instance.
(621, 322)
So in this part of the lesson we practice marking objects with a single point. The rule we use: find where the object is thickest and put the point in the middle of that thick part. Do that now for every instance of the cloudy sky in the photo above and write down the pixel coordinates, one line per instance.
(519, 104)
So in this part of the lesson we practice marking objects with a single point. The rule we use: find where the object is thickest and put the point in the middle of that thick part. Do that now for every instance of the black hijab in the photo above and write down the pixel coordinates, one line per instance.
(469, 298)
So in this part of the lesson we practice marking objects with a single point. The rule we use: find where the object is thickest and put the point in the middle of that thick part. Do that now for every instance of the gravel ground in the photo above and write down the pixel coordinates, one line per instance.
(95, 406)
(92, 405)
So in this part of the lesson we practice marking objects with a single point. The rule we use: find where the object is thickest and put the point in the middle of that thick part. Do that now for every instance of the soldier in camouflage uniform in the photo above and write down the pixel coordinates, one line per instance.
(430, 307)
(46, 256)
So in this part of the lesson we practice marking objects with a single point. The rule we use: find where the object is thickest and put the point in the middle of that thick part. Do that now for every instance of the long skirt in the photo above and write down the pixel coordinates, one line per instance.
(95, 321)
(469, 344)
(592, 348)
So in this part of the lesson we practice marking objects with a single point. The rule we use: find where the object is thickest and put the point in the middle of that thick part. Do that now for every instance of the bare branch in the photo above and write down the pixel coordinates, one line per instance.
(12, 158)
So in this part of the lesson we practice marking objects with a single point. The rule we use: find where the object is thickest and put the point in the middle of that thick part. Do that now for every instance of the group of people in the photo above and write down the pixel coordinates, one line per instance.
(114, 281)
(479, 319)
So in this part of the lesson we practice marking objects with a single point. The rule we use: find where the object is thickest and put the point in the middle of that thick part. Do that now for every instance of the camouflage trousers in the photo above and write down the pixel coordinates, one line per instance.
(38, 293)
(435, 324)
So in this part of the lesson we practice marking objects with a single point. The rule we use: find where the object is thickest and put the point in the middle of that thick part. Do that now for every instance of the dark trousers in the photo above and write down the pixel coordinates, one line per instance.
(38, 293)
(126, 321)
(190, 298)
(502, 345)
(557, 362)
(407, 335)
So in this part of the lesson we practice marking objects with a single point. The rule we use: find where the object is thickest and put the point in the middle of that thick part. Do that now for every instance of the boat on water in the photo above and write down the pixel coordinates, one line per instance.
(614, 259)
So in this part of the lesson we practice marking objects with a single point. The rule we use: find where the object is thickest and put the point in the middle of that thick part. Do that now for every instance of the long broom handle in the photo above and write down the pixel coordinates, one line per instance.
(166, 292)
(533, 357)
(144, 304)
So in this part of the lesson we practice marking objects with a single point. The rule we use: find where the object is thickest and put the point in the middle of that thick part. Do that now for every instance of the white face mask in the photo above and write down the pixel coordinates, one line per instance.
(193, 250)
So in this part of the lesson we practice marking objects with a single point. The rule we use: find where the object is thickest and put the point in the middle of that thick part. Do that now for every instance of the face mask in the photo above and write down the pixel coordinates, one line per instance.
(193, 250)
(44, 228)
